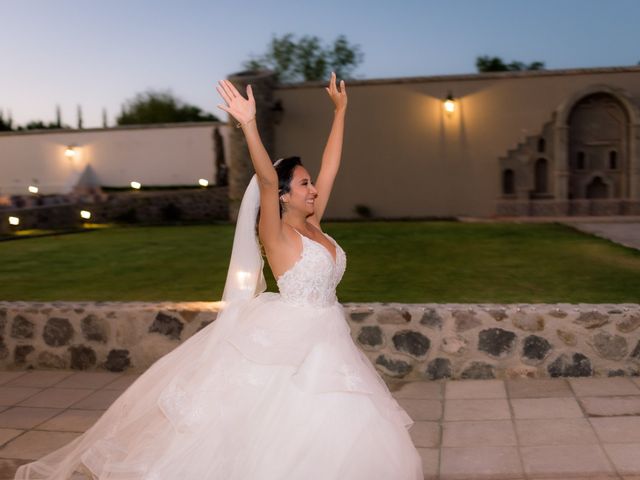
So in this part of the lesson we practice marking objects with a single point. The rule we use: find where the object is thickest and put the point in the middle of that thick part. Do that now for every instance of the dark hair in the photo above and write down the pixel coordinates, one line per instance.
(284, 169)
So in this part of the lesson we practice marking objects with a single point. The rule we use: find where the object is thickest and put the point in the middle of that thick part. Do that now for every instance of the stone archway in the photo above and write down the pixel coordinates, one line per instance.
(597, 127)
(587, 128)
(597, 188)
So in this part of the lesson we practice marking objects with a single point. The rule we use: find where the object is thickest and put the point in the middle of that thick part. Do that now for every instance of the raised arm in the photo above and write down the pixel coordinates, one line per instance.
(244, 112)
(333, 150)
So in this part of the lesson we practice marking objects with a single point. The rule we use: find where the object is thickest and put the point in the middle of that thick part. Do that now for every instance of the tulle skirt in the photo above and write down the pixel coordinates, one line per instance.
(268, 391)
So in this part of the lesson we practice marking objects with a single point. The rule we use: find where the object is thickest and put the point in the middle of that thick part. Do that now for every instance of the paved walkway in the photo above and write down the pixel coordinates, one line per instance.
(624, 233)
(482, 429)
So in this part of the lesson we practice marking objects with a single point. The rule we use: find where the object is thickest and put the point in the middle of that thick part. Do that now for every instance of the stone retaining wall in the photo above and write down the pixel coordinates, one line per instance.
(138, 207)
(575, 207)
(408, 341)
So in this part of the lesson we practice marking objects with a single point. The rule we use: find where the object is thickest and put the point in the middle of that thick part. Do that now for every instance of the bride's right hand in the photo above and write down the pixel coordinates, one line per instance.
(243, 110)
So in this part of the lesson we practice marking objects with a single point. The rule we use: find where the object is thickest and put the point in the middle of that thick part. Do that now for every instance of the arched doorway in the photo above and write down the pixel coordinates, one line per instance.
(508, 182)
(596, 188)
(541, 176)
(597, 127)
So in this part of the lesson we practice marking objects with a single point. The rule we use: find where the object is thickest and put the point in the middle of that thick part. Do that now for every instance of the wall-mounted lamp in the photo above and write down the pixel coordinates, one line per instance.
(33, 189)
(86, 214)
(70, 152)
(203, 182)
(277, 112)
(136, 185)
(449, 104)
(14, 221)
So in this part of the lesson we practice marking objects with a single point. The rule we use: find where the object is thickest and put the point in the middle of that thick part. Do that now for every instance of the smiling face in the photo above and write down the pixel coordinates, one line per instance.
(302, 193)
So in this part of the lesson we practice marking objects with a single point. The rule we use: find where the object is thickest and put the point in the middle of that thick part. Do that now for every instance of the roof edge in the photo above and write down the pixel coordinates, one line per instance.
(116, 128)
(470, 76)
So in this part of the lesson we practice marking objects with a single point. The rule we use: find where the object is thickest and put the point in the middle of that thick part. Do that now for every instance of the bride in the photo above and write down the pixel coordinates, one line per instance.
(275, 388)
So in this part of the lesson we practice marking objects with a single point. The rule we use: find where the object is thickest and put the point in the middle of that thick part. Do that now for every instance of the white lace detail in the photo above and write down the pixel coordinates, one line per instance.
(312, 280)
(185, 409)
(351, 377)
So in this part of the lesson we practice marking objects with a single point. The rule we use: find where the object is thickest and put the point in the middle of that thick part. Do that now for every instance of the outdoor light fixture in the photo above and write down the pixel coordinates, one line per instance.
(203, 182)
(33, 189)
(70, 152)
(85, 214)
(449, 104)
(14, 221)
(135, 185)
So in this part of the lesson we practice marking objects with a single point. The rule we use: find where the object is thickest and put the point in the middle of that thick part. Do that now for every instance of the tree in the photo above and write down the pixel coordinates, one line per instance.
(6, 124)
(306, 59)
(496, 64)
(40, 125)
(160, 107)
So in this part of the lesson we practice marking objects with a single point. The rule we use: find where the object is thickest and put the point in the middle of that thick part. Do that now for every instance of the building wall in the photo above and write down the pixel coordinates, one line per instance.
(404, 156)
(177, 154)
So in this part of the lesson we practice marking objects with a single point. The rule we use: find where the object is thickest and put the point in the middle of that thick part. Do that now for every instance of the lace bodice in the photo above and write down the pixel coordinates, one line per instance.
(312, 280)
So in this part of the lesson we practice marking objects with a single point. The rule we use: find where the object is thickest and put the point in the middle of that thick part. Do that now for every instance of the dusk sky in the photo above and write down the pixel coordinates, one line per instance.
(99, 54)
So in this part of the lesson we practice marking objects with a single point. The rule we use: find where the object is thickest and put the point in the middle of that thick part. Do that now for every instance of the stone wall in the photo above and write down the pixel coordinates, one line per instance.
(408, 341)
(163, 206)
(138, 207)
(554, 208)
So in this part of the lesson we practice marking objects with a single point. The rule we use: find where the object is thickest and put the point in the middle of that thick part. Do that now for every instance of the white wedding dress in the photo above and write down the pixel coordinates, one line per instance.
(277, 390)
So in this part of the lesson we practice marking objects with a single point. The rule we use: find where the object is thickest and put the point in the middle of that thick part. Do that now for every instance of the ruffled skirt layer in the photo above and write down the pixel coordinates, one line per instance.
(268, 391)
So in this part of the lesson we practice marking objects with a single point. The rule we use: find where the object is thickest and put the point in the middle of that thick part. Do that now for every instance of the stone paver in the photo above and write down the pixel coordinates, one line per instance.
(34, 444)
(491, 433)
(475, 389)
(26, 417)
(11, 395)
(625, 457)
(538, 387)
(555, 431)
(72, 420)
(425, 434)
(561, 407)
(551, 428)
(43, 378)
(88, 380)
(56, 397)
(624, 429)
(482, 409)
(610, 406)
(565, 460)
(480, 462)
(422, 409)
(590, 387)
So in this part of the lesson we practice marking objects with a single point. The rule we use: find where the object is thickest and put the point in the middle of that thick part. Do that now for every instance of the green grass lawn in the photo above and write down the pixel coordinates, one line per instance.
(386, 262)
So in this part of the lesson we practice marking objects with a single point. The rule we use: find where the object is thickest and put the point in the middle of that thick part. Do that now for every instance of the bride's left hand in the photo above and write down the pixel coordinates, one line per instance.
(339, 97)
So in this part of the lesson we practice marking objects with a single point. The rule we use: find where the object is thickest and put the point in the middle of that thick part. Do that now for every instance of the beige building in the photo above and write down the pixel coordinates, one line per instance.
(55, 160)
(516, 143)
(559, 142)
